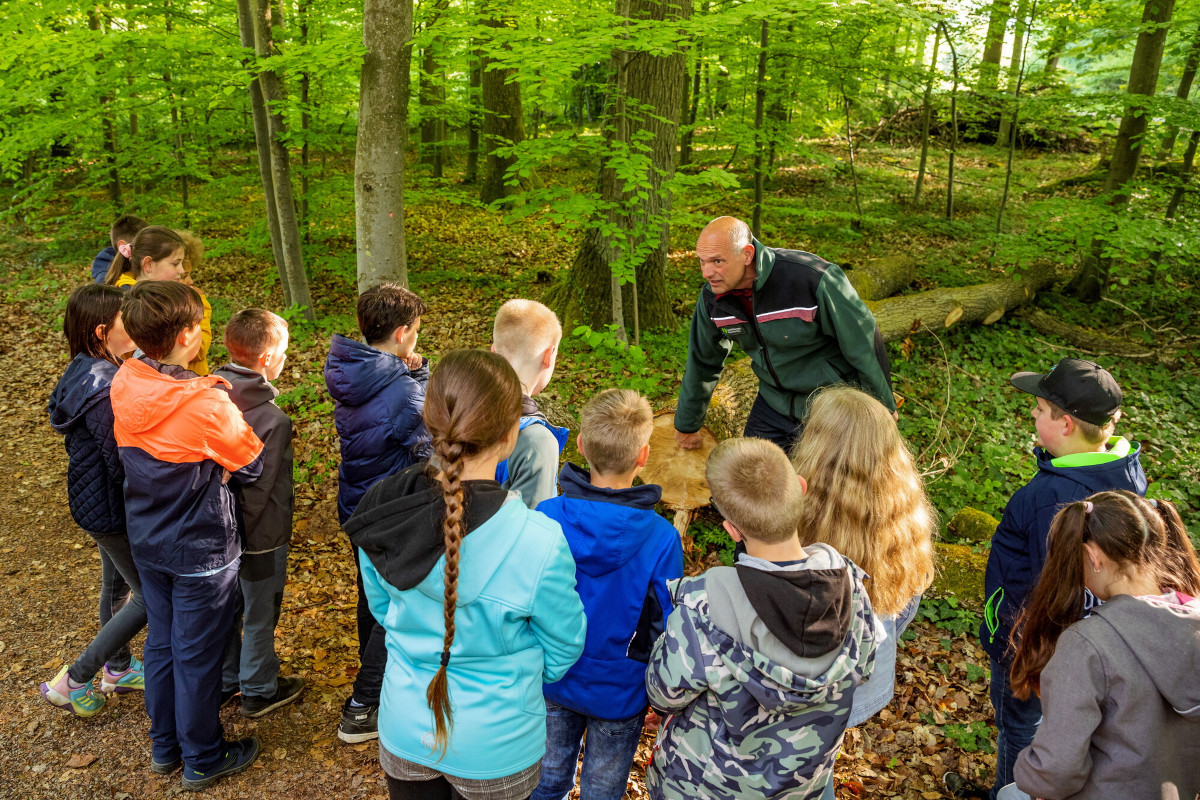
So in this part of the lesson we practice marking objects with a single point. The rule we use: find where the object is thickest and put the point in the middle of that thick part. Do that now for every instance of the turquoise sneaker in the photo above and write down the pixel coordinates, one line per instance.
(81, 701)
(129, 680)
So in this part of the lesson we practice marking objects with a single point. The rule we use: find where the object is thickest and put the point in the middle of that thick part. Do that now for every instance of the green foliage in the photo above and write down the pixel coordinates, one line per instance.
(627, 364)
(711, 537)
(947, 614)
(972, 737)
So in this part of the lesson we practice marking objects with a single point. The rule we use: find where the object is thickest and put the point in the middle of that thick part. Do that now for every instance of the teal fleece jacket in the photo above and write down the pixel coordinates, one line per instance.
(519, 622)
(810, 329)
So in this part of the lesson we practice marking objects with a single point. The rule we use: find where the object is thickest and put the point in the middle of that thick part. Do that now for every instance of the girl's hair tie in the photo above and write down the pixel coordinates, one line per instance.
(125, 249)
(445, 658)
(1087, 506)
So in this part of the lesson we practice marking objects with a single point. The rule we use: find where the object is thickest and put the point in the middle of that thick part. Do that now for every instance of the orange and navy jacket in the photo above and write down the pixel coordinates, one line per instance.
(176, 433)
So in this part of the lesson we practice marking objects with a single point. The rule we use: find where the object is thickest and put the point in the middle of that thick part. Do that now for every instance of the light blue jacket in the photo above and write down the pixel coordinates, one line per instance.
(519, 623)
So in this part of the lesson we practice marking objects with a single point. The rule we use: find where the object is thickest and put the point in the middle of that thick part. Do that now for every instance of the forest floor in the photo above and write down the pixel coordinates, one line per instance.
(970, 431)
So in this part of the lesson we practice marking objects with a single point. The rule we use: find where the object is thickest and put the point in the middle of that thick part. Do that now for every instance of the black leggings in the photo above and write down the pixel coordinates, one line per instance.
(437, 789)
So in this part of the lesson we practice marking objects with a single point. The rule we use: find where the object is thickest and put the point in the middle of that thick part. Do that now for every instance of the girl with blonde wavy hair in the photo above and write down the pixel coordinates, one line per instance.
(475, 593)
(866, 499)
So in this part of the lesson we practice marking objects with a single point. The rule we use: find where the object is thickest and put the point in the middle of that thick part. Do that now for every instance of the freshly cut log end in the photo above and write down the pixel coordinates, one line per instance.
(679, 472)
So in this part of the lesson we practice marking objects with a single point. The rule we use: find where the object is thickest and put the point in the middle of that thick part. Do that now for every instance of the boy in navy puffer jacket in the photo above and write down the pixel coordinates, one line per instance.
(1078, 405)
(624, 554)
(379, 394)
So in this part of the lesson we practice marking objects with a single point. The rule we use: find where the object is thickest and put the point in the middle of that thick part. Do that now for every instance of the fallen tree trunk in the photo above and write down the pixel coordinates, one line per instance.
(878, 278)
(1097, 343)
(935, 310)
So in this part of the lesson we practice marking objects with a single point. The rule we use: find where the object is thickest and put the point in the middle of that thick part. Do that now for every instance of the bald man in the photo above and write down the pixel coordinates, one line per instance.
(795, 315)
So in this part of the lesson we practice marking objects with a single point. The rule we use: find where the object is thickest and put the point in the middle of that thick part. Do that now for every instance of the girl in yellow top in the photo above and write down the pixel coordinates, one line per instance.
(161, 254)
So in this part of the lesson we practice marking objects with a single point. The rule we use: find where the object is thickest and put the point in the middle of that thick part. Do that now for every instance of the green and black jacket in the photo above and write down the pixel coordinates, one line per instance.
(810, 329)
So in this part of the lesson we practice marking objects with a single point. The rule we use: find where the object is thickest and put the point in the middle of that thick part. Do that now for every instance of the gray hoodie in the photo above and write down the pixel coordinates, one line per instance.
(1121, 707)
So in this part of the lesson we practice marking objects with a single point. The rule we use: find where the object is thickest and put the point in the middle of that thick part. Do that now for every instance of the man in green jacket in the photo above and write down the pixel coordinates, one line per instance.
(796, 316)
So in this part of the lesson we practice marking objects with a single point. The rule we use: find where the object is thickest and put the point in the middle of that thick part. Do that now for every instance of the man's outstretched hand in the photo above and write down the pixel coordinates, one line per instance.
(688, 441)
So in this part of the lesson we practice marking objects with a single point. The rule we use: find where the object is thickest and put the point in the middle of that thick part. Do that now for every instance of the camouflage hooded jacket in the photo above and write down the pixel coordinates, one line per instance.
(757, 670)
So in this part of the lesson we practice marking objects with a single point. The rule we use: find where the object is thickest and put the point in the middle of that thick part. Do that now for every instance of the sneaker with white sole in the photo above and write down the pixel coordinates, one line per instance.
(359, 723)
(82, 701)
(130, 679)
(287, 689)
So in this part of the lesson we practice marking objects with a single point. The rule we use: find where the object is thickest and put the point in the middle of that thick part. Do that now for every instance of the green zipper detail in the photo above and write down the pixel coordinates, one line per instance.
(991, 614)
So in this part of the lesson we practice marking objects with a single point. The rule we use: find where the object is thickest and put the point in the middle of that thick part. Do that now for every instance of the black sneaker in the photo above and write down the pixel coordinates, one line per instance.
(958, 786)
(165, 767)
(238, 756)
(286, 691)
(359, 723)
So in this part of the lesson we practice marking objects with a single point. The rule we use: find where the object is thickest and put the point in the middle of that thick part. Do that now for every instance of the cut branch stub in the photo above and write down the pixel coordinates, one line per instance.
(679, 472)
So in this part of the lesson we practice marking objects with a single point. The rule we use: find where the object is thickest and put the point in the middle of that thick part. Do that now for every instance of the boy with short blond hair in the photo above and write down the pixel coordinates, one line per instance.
(1078, 404)
(769, 650)
(182, 441)
(527, 334)
(257, 342)
(624, 554)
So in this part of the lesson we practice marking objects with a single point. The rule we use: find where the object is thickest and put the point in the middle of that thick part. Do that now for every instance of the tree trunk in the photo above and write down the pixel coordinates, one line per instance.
(953, 124)
(1189, 160)
(1058, 43)
(689, 133)
(305, 121)
(379, 153)
(993, 47)
(1181, 92)
(1143, 83)
(503, 115)
(107, 125)
(926, 116)
(1016, 68)
(473, 118)
(1094, 341)
(632, 235)
(760, 102)
(292, 274)
(262, 138)
(432, 94)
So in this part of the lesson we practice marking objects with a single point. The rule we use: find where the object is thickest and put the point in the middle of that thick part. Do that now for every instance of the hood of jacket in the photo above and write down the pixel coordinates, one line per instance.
(1094, 478)
(247, 388)
(1158, 634)
(356, 372)
(86, 381)
(838, 653)
(153, 392)
(398, 525)
(605, 536)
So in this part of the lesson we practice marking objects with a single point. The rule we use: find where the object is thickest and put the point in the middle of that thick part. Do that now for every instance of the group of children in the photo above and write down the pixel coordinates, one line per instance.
(504, 627)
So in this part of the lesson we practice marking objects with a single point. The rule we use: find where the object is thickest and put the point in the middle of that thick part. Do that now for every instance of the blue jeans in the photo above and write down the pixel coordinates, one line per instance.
(607, 755)
(1016, 723)
(122, 610)
(250, 660)
(876, 692)
(190, 617)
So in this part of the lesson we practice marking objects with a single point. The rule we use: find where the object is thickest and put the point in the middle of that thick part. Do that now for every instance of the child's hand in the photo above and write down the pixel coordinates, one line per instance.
(225, 476)
(653, 721)
(414, 360)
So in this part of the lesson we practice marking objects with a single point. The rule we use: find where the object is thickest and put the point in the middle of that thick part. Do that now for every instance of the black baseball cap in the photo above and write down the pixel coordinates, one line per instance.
(1082, 389)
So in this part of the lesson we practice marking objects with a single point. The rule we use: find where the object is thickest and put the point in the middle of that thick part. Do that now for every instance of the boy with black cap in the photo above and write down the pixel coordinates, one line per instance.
(1078, 405)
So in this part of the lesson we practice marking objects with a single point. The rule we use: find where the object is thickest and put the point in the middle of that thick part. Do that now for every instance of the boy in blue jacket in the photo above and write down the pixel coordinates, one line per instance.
(123, 229)
(624, 554)
(378, 387)
(1078, 405)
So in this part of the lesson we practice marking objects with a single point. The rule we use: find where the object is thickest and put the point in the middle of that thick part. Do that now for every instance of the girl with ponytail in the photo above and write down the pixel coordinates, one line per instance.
(1120, 696)
(476, 595)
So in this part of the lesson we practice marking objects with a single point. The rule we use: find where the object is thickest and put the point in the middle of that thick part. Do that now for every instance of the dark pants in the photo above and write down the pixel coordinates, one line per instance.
(189, 620)
(607, 754)
(122, 610)
(372, 647)
(765, 422)
(436, 789)
(251, 664)
(1016, 723)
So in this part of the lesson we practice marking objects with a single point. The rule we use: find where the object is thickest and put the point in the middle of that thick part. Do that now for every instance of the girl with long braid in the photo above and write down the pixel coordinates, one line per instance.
(1119, 689)
(476, 595)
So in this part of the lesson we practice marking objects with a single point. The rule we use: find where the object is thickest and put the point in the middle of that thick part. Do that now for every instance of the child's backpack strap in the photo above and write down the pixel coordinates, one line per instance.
(560, 435)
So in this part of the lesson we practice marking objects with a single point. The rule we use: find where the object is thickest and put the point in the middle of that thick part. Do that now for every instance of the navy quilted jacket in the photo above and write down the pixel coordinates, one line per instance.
(81, 411)
(378, 408)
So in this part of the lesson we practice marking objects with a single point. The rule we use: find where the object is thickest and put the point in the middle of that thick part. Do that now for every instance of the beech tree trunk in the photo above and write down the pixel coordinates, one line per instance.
(689, 133)
(1182, 91)
(262, 142)
(292, 274)
(926, 115)
(503, 114)
(993, 46)
(108, 126)
(760, 135)
(474, 121)
(1016, 68)
(644, 99)
(1143, 83)
(379, 151)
